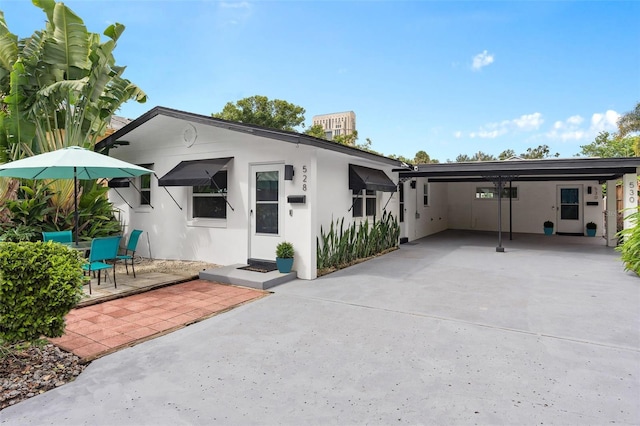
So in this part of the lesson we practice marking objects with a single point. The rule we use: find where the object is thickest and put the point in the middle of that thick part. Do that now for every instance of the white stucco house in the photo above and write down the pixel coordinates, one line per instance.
(227, 193)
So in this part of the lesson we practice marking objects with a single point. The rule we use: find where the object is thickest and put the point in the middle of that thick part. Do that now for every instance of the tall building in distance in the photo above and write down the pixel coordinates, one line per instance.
(338, 123)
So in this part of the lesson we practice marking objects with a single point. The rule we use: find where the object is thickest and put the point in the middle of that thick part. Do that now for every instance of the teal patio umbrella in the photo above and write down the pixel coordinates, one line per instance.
(75, 163)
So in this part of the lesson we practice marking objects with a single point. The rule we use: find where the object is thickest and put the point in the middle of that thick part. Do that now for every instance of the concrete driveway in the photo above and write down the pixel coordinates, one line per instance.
(446, 331)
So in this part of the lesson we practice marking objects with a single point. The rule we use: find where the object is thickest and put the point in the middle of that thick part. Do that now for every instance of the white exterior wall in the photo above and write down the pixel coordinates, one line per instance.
(335, 197)
(321, 175)
(173, 236)
(537, 202)
(421, 220)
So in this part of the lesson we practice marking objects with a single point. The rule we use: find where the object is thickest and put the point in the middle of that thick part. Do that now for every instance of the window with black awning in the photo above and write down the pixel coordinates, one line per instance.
(361, 177)
(197, 173)
(119, 183)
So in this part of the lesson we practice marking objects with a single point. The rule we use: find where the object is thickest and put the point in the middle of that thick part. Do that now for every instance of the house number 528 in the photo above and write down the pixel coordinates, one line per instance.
(304, 178)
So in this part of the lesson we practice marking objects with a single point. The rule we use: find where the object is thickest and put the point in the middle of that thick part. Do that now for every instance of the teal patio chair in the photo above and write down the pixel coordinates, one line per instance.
(103, 250)
(58, 236)
(131, 248)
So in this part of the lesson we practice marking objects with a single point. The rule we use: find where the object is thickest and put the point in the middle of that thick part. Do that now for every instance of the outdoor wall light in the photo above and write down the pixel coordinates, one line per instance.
(288, 172)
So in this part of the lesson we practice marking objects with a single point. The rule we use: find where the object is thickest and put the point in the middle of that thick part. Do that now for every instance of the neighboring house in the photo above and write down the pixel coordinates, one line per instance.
(227, 192)
(336, 124)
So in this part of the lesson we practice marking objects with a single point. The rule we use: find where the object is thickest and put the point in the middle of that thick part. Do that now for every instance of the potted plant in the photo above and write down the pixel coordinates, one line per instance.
(548, 227)
(284, 257)
(591, 229)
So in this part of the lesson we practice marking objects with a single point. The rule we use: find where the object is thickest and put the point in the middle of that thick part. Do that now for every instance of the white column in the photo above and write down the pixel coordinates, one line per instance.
(611, 214)
(629, 197)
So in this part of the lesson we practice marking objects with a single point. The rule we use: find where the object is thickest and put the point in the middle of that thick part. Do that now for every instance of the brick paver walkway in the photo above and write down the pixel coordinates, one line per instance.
(100, 329)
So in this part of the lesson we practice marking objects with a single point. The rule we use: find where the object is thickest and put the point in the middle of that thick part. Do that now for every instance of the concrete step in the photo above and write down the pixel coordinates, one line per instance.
(233, 275)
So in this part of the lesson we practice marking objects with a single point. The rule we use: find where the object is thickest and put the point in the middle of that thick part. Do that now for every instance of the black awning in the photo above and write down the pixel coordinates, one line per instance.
(372, 179)
(193, 173)
(119, 183)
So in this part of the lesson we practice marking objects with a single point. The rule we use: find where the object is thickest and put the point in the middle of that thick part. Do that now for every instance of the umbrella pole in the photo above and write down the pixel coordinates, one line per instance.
(75, 204)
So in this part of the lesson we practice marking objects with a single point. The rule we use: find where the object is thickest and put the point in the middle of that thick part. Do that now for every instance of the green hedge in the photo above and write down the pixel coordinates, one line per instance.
(39, 284)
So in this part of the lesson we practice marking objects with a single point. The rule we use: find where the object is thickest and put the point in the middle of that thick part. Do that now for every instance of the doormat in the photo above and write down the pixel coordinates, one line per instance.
(571, 234)
(262, 267)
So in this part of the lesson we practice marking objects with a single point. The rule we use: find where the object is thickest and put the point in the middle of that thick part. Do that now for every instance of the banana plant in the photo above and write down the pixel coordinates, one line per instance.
(58, 88)
(63, 86)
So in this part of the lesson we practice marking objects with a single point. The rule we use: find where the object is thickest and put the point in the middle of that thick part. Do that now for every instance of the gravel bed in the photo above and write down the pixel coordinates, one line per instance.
(27, 372)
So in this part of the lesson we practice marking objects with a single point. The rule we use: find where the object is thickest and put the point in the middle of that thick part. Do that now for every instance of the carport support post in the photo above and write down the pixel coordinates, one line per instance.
(499, 186)
(611, 214)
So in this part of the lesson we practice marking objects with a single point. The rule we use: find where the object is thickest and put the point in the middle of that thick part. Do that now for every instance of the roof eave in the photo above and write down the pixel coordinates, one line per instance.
(291, 137)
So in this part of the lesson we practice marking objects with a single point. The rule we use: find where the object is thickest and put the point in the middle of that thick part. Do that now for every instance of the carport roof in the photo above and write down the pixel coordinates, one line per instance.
(600, 169)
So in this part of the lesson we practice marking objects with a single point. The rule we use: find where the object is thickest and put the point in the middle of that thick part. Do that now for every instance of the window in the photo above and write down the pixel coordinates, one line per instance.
(425, 194)
(490, 192)
(369, 202)
(267, 202)
(209, 201)
(145, 187)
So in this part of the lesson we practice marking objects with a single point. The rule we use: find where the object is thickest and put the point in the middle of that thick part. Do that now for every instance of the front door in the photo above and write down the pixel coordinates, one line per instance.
(569, 206)
(267, 207)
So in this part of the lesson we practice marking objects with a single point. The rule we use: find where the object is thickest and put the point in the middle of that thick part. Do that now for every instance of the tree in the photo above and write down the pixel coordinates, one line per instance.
(349, 139)
(506, 154)
(317, 131)
(421, 157)
(259, 110)
(607, 145)
(629, 122)
(542, 151)
(60, 86)
(478, 156)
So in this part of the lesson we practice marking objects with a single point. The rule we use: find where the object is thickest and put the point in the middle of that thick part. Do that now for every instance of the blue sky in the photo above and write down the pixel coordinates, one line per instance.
(449, 78)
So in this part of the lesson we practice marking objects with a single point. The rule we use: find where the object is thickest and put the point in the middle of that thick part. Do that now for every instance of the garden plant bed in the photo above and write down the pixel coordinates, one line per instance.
(30, 370)
(325, 271)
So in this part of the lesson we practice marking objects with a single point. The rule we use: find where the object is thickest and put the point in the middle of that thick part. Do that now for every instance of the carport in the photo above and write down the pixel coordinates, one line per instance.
(503, 174)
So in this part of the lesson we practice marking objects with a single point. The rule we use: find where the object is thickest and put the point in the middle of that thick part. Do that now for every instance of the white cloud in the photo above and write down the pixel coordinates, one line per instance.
(572, 128)
(457, 134)
(605, 122)
(482, 60)
(529, 122)
(575, 120)
(524, 123)
(234, 13)
(235, 5)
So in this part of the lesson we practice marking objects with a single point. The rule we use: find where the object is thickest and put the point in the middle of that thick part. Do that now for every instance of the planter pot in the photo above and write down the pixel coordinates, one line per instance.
(548, 231)
(284, 264)
(591, 232)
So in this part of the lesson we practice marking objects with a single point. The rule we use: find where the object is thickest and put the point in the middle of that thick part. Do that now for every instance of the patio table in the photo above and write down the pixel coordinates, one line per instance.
(83, 246)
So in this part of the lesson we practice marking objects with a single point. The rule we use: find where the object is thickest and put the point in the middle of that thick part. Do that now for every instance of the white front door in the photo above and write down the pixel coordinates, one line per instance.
(569, 206)
(266, 210)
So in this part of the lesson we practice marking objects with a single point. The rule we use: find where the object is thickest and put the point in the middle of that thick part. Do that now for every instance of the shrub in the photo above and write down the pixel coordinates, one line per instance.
(630, 247)
(16, 234)
(339, 248)
(591, 225)
(39, 284)
(284, 250)
(548, 224)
